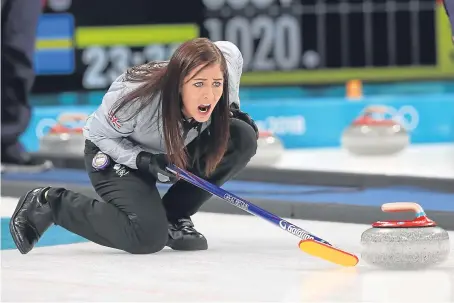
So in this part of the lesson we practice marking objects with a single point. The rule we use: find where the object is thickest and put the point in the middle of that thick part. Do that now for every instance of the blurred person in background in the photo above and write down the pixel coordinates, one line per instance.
(19, 25)
(449, 7)
(185, 112)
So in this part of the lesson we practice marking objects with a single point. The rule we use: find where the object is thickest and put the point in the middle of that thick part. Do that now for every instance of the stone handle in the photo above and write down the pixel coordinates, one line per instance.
(403, 206)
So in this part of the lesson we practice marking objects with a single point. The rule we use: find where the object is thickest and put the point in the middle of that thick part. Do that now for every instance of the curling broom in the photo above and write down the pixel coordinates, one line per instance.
(309, 243)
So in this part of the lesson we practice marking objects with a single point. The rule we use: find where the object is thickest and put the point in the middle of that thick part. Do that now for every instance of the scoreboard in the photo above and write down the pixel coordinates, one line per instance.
(84, 46)
(327, 41)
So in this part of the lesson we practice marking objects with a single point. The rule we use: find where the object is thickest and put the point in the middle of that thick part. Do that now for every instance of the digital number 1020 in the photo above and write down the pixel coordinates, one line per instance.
(267, 43)
(105, 64)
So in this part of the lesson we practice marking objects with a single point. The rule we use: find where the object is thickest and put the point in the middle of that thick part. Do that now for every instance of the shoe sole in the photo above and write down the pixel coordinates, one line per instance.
(185, 246)
(12, 228)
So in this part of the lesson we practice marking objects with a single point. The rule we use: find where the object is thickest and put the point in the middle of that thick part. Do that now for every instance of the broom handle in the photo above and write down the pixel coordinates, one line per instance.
(243, 204)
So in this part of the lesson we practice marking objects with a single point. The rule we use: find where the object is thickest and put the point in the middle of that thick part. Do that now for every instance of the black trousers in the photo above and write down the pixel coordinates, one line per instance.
(19, 24)
(132, 216)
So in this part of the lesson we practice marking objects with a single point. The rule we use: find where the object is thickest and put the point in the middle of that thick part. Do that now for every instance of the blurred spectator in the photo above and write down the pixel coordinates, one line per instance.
(19, 25)
(449, 6)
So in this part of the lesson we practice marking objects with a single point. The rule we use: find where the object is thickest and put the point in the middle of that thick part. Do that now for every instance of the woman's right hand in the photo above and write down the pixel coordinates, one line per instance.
(155, 165)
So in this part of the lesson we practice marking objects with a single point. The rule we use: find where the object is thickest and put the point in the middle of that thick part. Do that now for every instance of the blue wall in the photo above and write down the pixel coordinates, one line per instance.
(309, 122)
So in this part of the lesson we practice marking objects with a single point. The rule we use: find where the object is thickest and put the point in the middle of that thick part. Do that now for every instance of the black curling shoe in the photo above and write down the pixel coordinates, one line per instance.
(30, 220)
(183, 236)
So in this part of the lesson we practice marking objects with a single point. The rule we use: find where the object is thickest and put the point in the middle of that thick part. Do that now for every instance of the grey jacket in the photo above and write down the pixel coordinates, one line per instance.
(123, 141)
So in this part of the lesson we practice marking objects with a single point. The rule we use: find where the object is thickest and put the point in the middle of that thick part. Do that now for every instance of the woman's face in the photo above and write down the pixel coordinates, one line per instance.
(201, 91)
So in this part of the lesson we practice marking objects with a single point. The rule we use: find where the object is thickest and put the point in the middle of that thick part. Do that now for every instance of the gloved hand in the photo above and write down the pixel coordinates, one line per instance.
(155, 165)
(236, 113)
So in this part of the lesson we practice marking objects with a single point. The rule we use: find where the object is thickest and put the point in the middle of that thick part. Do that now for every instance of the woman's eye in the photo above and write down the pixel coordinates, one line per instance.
(217, 84)
(198, 84)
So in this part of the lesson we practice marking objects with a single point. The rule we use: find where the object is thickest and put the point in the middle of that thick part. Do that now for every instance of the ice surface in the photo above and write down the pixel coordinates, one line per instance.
(248, 260)
(424, 160)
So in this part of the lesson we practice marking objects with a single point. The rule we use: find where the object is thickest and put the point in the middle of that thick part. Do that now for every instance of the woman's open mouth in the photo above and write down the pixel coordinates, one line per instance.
(204, 108)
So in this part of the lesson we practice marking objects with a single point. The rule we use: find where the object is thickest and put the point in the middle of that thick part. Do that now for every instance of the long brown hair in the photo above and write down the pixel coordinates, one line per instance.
(165, 81)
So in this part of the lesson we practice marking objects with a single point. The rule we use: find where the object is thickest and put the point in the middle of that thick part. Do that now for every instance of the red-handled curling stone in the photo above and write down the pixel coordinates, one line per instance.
(65, 135)
(403, 244)
(375, 132)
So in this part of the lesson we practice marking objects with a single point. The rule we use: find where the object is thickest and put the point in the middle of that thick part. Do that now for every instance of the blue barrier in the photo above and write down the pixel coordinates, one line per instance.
(308, 122)
(320, 122)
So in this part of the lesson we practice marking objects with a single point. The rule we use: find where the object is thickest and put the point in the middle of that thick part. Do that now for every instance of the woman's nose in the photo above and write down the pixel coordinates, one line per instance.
(209, 94)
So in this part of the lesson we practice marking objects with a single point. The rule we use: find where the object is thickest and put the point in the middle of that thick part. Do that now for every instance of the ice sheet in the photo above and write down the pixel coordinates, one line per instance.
(424, 160)
(248, 260)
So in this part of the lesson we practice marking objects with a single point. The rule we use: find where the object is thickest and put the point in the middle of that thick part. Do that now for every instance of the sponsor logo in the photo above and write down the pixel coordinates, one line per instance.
(283, 125)
(121, 170)
(295, 230)
(236, 202)
(66, 122)
(407, 115)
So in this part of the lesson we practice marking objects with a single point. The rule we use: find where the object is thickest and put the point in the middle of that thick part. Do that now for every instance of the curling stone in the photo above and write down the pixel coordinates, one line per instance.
(374, 134)
(411, 244)
(269, 150)
(65, 137)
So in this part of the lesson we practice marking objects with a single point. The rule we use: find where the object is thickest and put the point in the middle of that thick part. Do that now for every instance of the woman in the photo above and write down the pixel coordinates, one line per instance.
(185, 112)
